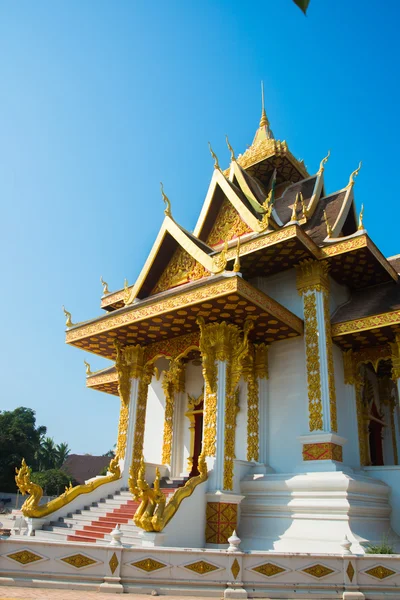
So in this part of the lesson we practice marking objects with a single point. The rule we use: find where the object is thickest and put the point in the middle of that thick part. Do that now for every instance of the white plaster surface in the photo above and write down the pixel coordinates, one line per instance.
(391, 476)
(241, 424)
(153, 433)
(282, 288)
(288, 403)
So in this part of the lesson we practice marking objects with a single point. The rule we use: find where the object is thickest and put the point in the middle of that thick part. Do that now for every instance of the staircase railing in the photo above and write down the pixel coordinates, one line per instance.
(31, 507)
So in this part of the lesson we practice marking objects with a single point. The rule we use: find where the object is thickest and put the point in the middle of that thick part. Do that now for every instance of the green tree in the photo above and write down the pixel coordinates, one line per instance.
(53, 481)
(47, 454)
(62, 452)
(19, 438)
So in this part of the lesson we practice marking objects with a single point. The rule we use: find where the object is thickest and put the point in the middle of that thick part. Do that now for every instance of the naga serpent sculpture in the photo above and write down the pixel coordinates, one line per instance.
(31, 507)
(153, 512)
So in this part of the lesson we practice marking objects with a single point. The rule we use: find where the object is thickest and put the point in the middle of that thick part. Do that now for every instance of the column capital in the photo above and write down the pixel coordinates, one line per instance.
(224, 340)
(312, 275)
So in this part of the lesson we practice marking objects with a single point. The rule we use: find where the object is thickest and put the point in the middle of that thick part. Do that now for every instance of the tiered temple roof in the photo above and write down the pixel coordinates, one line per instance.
(262, 215)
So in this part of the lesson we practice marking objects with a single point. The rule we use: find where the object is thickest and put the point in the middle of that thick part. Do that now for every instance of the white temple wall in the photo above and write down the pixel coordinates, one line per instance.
(339, 294)
(154, 427)
(282, 288)
(288, 403)
(346, 412)
(241, 423)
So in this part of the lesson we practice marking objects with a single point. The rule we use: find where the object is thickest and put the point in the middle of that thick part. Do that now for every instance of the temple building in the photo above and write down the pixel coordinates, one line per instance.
(257, 365)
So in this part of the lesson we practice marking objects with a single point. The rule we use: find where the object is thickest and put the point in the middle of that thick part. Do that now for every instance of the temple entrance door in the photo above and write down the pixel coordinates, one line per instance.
(198, 441)
(375, 438)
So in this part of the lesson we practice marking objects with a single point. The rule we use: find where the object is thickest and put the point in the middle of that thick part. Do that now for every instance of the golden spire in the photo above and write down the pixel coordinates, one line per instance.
(105, 286)
(167, 210)
(216, 163)
(294, 210)
(323, 163)
(360, 218)
(263, 132)
(354, 175)
(236, 264)
(304, 207)
(233, 157)
(68, 322)
(328, 227)
(88, 371)
(264, 120)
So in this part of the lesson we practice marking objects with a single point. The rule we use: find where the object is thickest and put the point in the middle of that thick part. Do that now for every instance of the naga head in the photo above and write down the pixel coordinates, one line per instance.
(114, 467)
(23, 478)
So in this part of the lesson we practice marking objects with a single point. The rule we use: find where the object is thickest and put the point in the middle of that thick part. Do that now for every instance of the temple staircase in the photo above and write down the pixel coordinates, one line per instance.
(94, 523)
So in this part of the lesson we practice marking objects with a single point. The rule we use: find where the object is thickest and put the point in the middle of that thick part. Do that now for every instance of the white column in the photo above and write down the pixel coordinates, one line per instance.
(263, 423)
(323, 363)
(130, 436)
(219, 457)
(177, 436)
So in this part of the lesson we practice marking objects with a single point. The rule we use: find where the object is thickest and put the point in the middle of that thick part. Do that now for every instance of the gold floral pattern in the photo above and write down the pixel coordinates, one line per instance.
(380, 572)
(227, 225)
(24, 557)
(235, 568)
(312, 362)
(181, 269)
(350, 571)
(269, 569)
(201, 567)
(79, 561)
(318, 571)
(148, 565)
(113, 563)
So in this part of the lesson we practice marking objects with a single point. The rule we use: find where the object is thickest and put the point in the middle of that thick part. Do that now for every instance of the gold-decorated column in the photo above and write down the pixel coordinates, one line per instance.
(133, 381)
(313, 286)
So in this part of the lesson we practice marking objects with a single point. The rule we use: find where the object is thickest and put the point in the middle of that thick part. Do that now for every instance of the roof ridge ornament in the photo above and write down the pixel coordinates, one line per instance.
(220, 261)
(105, 286)
(88, 370)
(167, 211)
(354, 175)
(68, 322)
(126, 292)
(216, 163)
(323, 163)
(328, 227)
(233, 157)
(296, 203)
(360, 219)
(236, 264)
(304, 207)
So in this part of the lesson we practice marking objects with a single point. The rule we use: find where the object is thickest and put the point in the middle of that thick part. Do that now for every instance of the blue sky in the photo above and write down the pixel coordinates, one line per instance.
(102, 100)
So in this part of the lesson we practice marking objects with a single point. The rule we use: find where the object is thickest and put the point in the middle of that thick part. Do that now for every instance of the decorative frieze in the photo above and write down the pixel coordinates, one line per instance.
(323, 451)
(221, 521)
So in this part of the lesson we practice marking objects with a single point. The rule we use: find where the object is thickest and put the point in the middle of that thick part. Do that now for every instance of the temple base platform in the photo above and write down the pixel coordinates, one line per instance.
(315, 512)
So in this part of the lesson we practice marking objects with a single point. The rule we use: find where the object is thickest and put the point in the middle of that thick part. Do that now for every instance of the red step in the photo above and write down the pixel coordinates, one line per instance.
(90, 534)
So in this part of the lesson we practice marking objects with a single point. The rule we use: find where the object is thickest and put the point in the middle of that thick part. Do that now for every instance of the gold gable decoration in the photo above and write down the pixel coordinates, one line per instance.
(227, 226)
(181, 269)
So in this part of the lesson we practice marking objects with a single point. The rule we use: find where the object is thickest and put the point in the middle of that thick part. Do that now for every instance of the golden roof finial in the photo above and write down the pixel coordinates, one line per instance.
(167, 210)
(88, 371)
(360, 219)
(328, 227)
(264, 119)
(236, 264)
(68, 322)
(105, 286)
(126, 291)
(216, 163)
(233, 157)
(354, 175)
(304, 207)
(323, 163)
(294, 210)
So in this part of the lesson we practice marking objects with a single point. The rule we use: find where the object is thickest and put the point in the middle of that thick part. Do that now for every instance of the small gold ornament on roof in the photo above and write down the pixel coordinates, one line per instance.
(126, 291)
(233, 157)
(68, 322)
(360, 219)
(216, 163)
(105, 286)
(167, 210)
(236, 264)
(294, 210)
(88, 371)
(219, 262)
(323, 163)
(304, 207)
(354, 175)
(328, 227)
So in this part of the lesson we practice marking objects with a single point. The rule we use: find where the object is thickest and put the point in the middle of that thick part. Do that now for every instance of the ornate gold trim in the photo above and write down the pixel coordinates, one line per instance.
(313, 362)
(141, 407)
(312, 275)
(367, 323)
(173, 383)
(330, 363)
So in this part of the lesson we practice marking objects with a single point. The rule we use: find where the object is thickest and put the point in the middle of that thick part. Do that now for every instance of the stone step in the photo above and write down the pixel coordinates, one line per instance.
(50, 535)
